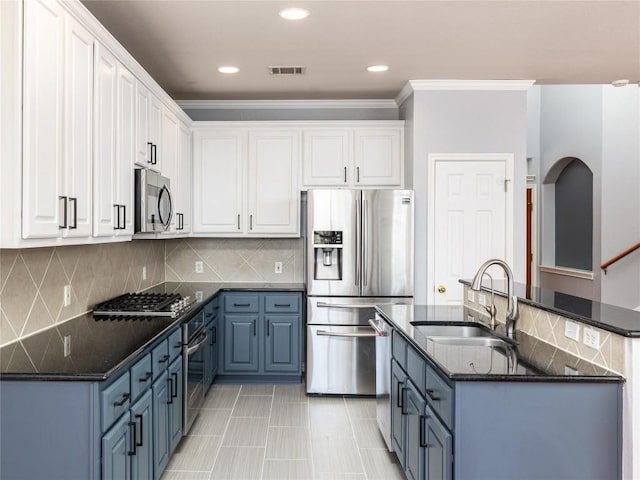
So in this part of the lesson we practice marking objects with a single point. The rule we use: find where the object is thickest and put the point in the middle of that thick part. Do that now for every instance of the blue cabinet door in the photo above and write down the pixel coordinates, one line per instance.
(241, 343)
(175, 404)
(141, 417)
(415, 439)
(398, 423)
(116, 445)
(161, 391)
(211, 353)
(282, 343)
(439, 461)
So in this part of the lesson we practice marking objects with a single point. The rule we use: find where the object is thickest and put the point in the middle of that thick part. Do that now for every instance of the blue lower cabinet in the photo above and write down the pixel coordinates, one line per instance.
(241, 343)
(398, 421)
(142, 445)
(415, 445)
(175, 404)
(211, 353)
(282, 343)
(439, 448)
(116, 445)
(161, 393)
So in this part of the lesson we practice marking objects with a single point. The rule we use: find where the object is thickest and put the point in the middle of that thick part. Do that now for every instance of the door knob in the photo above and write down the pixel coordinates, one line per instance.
(442, 289)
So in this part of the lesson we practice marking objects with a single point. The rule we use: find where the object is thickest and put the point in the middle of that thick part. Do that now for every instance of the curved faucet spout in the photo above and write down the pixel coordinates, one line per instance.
(512, 300)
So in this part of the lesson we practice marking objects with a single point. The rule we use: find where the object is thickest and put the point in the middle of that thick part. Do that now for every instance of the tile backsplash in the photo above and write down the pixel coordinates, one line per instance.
(234, 260)
(32, 281)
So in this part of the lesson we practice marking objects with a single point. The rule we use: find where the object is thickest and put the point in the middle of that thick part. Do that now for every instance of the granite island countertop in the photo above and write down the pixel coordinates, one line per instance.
(101, 348)
(531, 360)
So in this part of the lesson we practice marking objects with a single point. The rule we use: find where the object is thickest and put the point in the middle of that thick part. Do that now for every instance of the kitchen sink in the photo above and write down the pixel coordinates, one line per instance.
(457, 334)
(472, 341)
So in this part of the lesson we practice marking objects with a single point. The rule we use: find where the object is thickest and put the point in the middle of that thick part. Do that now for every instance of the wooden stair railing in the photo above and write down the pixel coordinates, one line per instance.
(608, 263)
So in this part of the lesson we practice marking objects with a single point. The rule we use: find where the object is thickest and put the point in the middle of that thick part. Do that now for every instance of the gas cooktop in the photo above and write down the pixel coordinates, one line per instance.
(145, 304)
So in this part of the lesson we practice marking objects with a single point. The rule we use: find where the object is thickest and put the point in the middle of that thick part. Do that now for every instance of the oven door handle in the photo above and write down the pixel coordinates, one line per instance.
(379, 331)
(324, 333)
(346, 305)
(198, 346)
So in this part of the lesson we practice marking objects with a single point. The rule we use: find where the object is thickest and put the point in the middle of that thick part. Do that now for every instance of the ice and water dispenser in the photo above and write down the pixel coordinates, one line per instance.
(327, 246)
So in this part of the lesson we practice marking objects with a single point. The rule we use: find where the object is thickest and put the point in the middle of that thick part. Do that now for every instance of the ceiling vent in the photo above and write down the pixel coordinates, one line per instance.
(287, 70)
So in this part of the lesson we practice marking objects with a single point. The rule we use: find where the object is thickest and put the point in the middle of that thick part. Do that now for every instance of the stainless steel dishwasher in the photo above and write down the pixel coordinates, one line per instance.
(383, 377)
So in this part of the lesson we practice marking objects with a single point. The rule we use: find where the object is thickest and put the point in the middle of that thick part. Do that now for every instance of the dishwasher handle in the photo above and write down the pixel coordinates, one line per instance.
(324, 333)
(198, 346)
(346, 305)
(375, 325)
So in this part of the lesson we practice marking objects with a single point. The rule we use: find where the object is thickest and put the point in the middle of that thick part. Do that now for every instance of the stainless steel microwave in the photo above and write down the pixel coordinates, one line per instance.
(154, 204)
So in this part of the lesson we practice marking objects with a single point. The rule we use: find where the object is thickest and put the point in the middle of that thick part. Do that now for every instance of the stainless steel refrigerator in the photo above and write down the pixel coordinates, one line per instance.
(359, 253)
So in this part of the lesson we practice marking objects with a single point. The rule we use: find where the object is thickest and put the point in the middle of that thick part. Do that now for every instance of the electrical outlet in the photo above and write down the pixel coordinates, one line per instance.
(470, 295)
(278, 267)
(572, 331)
(199, 267)
(482, 299)
(591, 338)
(144, 272)
(66, 292)
(199, 295)
(66, 342)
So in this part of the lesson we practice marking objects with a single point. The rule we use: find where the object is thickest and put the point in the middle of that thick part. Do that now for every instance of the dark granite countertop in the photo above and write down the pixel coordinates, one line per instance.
(100, 348)
(534, 360)
(619, 320)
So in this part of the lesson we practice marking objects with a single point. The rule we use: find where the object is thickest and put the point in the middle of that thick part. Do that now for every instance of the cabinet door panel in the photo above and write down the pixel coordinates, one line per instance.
(328, 157)
(155, 132)
(415, 452)
(282, 343)
(160, 424)
(116, 444)
(143, 106)
(175, 407)
(141, 416)
(170, 159)
(42, 110)
(217, 182)
(377, 157)
(439, 449)
(240, 343)
(126, 148)
(273, 200)
(78, 129)
(182, 190)
(398, 423)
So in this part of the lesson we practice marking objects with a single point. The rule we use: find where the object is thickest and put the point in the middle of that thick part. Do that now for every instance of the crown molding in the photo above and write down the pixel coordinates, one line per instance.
(284, 104)
(478, 85)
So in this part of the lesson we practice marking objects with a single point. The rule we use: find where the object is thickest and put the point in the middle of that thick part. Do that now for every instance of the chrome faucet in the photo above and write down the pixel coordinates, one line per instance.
(512, 300)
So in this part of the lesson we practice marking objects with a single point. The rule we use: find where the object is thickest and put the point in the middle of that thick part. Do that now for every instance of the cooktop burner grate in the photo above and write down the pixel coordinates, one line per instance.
(144, 304)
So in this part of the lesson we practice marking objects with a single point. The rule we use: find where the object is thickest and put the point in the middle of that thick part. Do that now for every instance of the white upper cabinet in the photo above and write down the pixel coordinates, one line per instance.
(126, 143)
(273, 194)
(328, 157)
(43, 209)
(354, 154)
(143, 141)
(170, 164)
(218, 181)
(155, 132)
(183, 190)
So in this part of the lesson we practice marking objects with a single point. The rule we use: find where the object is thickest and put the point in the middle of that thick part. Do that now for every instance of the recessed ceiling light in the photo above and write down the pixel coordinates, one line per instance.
(228, 69)
(620, 83)
(294, 13)
(378, 68)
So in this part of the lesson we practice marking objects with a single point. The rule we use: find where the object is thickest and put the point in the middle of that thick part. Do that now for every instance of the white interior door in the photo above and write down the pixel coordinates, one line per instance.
(470, 222)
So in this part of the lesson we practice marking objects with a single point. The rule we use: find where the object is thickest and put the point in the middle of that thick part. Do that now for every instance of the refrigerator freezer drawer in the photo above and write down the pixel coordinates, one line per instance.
(347, 310)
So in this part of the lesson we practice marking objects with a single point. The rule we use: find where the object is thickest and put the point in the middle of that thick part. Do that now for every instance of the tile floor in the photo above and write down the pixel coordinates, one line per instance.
(276, 432)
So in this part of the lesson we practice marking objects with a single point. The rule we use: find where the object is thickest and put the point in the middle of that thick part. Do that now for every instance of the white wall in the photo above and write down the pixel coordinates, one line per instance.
(466, 122)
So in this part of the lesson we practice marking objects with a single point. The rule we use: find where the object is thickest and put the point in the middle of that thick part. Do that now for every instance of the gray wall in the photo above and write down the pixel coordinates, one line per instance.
(291, 114)
(466, 122)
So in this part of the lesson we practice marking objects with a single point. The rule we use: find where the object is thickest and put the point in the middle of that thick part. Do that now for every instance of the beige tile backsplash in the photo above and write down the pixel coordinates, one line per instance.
(550, 327)
(234, 260)
(32, 281)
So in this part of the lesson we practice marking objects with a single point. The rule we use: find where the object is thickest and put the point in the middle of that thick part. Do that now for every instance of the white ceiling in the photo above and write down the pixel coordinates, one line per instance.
(182, 42)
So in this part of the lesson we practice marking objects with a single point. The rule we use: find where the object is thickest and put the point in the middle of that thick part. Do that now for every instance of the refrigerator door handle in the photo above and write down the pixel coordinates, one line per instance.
(358, 250)
(324, 333)
(365, 242)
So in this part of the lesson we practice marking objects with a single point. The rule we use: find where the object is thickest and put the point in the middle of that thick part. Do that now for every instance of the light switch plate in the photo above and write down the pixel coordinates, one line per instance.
(67, 345)
(144, 272)
(482, 299)
(470, 295)
(572, 331)
(278, 267)
(199, 267)
(66, 292)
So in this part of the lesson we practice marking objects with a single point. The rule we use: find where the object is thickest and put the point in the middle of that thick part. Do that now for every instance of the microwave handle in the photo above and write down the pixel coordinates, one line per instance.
(165, 222)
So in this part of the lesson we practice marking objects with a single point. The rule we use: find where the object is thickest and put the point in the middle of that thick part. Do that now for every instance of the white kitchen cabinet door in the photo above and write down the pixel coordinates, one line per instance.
(218, 187)
(155, 132)
(274, 190)
(106, 207)
(78, 133)
(143, 142)
(170, 166)
(183, 187)
(125, 141)
(378, 155)
(42, 119)
(327, 157)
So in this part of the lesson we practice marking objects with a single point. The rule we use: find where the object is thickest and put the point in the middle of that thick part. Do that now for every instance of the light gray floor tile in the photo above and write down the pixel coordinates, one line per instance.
(184, 475)
(328, 417)
(256, 390)
(367, 433)
(221, 397)
(290, 393)
(238, 463)
(287, 470)
(333, 454)
(195, 453)
(252, 407)
(288, 443)
(340, 476)
(289, 415)
(361, 407)
(380, 464)
(246, 432)
(211, 422)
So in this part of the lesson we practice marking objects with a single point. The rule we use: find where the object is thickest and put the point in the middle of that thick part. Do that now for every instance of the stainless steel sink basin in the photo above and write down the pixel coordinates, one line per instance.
(472, 341)
(454, 331)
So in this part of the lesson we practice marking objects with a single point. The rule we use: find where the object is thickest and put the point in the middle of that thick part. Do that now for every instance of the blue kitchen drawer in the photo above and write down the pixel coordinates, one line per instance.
(282, 303)
(115, 399)
(141, 376)
(399, 349)
(416, 368)
(240, 303)
(175, 344)
(160, 358)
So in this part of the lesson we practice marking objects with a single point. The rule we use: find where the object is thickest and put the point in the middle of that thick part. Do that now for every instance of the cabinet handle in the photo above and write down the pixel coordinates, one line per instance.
(154, 154)
(117, 225)
(141, 444)
(164, 359)
(214, 336)
(402, 394)
(124, 217)
(170, 380)
(123, 400)
(146, 377)
(133, 439)
(282, 305)
(431, 395)
(64, 214)
(150, 152)
(241, 304)
(254, 328)
(399, 394)
(174, 375)
(345, 174)
(251, 222)
(75, 212)
(423, 431)
(358, 174)
(268, 328)
(238, 221)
